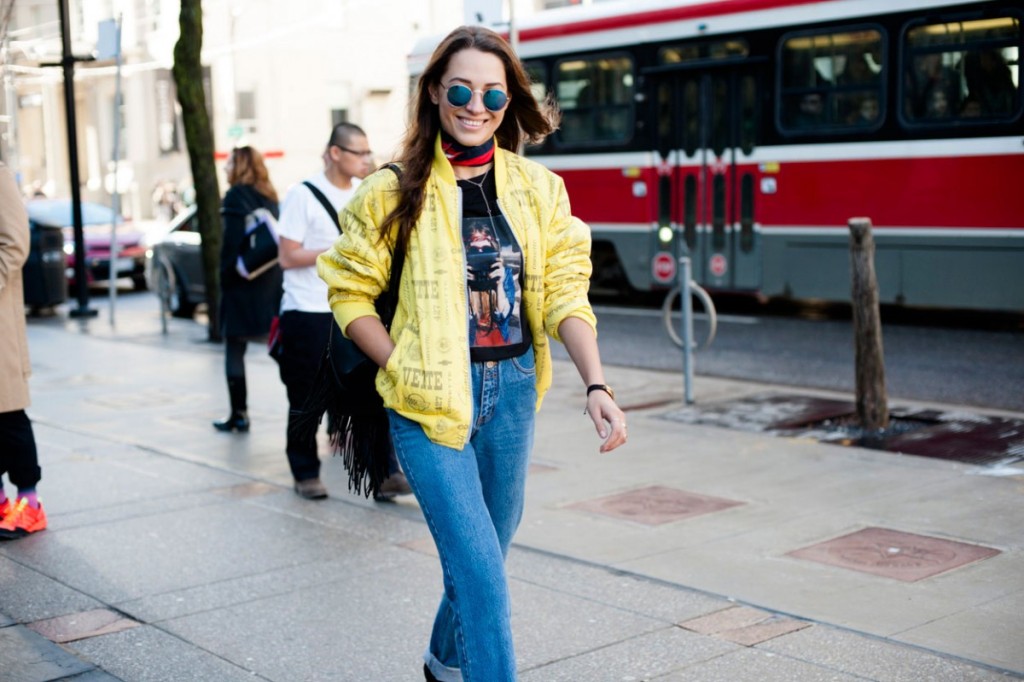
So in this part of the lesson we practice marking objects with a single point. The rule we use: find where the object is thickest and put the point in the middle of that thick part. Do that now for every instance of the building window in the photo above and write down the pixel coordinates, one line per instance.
(246, 106)
(166, 114)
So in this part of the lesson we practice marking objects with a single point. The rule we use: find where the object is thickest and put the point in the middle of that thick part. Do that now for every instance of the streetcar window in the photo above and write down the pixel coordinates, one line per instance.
(961, 72)
(665, 120)
(689, 52)
(538, 80)
(832, 81)
(596, 98)
(539, 89)
(692, 138)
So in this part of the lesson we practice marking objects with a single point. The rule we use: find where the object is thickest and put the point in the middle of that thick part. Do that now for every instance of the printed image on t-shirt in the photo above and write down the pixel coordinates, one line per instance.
(493, 264)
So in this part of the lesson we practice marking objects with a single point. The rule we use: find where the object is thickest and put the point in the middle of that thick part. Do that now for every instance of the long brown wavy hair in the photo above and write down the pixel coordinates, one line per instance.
(525, 121)
(247, 168)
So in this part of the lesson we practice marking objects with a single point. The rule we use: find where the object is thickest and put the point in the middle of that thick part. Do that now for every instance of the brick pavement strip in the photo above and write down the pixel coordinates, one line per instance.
(77, 626)
(744, 625)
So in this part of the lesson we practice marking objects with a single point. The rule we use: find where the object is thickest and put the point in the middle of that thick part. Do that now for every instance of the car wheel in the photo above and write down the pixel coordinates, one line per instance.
(182, 306)
(172, 294)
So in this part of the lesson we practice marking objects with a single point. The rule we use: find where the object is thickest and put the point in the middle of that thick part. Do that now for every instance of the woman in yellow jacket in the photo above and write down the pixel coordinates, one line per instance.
(495, 264)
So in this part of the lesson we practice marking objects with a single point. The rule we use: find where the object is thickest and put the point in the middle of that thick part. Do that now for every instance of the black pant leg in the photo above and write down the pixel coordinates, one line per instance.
(18, 456)
(234, 369)
(304, 337)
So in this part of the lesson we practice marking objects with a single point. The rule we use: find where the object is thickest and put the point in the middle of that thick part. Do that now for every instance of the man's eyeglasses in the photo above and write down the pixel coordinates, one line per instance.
(460, 95)
(354, 152)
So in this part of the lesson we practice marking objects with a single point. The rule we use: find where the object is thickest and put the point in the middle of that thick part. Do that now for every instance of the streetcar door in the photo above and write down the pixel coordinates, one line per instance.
(707, 127)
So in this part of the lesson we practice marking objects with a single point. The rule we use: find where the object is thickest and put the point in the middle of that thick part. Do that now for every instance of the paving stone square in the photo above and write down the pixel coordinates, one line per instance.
(655, 505)
(894, 554)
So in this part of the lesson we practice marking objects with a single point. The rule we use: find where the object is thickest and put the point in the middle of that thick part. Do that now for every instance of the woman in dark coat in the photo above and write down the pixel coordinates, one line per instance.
(246, 306)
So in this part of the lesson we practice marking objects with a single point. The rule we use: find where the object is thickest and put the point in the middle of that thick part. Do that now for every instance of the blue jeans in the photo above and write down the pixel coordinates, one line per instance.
(472, 500)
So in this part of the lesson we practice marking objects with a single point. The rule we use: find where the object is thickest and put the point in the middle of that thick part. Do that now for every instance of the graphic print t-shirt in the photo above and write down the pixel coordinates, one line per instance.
(494, 275)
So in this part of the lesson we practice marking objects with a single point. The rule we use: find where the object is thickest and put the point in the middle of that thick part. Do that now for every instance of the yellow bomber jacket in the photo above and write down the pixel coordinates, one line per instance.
(427, 378)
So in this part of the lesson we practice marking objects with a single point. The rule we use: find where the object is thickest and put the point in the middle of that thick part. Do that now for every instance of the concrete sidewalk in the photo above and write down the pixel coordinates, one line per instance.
(175, 552)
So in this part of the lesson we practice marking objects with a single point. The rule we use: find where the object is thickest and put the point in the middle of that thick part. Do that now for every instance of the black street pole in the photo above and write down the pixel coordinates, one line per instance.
(68, 63)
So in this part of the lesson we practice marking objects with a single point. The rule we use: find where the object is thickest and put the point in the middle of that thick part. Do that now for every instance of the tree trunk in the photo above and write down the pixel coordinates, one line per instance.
(872, 405)
(188, 79)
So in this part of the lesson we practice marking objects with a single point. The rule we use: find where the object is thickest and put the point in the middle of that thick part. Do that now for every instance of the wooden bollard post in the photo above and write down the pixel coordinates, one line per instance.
(872, 403)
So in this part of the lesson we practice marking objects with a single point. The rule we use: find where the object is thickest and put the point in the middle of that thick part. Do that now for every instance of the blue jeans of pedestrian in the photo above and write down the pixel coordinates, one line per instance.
(472, 500)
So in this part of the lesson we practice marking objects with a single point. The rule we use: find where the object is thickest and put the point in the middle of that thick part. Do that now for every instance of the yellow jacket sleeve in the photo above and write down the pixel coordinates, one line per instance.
(567, 264)
(356, 268)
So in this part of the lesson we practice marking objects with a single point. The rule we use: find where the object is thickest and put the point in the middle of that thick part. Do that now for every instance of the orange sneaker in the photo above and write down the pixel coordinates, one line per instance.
(6, 507)
(22, 520)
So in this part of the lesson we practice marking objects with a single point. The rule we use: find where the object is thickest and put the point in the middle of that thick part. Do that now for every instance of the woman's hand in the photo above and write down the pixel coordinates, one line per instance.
(372, 338)
(608, 418)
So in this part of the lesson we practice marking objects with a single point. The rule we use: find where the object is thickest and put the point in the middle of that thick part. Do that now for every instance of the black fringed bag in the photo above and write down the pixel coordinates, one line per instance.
(345, 390)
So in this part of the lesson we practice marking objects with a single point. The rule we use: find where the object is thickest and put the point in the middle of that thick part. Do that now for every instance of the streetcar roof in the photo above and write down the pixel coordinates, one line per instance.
(607, 24)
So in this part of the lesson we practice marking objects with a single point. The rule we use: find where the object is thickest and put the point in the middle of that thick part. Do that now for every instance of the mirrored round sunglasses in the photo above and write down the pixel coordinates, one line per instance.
(460, 95)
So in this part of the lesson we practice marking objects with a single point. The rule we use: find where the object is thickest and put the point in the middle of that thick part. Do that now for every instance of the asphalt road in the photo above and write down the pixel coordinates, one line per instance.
(954, 365)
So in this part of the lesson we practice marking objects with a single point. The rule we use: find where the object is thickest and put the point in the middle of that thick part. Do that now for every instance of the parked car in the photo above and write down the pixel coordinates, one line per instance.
(174, 266)
(96, 225)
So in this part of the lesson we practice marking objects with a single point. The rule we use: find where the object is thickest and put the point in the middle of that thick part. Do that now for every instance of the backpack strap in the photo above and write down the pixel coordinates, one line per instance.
(331, 211)
(397, 264)
(399, 258)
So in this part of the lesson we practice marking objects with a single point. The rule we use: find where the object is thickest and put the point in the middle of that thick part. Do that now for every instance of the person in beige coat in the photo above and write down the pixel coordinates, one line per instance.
(18, 458)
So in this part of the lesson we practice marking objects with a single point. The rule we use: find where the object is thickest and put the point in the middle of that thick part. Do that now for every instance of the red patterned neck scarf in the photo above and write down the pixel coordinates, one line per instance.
(460, 155)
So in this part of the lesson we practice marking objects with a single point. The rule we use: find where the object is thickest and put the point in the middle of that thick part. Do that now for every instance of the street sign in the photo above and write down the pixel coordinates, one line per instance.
(663, 267)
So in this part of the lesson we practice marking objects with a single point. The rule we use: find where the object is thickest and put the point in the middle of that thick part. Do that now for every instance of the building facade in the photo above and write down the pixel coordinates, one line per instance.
(277, 76)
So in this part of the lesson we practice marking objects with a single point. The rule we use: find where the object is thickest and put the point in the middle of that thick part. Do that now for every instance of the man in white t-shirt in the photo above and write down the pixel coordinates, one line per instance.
(307, 227)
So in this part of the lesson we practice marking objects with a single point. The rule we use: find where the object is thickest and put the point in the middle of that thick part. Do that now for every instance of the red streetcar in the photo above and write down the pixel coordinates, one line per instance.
(752, 130)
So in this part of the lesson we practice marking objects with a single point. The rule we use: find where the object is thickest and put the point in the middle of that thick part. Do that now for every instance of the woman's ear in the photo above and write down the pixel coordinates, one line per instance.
(432, 89)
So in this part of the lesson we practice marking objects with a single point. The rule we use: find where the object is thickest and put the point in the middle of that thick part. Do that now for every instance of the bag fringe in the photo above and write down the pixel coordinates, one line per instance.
(357, 426)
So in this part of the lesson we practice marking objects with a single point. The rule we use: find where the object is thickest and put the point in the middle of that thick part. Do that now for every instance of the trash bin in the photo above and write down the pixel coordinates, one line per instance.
(44, 275)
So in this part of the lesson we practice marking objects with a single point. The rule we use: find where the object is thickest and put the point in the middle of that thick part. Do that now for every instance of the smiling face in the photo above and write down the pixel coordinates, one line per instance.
(471, 124)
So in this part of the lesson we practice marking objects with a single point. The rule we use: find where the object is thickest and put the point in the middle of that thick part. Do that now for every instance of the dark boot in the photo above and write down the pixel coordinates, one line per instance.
(237, 421)
(237, 393)
(239, 418)
(428, 675)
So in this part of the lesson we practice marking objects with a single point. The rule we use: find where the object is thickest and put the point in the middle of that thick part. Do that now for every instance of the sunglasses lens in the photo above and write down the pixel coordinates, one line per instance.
(495, 100)
(459, 95)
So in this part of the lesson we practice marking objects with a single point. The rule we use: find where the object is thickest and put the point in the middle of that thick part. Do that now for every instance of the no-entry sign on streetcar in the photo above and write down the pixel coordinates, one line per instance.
(663, 267)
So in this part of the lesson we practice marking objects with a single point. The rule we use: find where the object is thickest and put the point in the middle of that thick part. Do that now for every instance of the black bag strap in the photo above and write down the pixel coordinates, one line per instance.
(331, 211)
(398, 260)
(397, 263)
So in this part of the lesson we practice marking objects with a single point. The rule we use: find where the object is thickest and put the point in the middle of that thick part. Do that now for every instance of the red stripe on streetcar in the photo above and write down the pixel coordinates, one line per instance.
(606, 195)
(659, 16)
(974, 191)
(944, 192)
